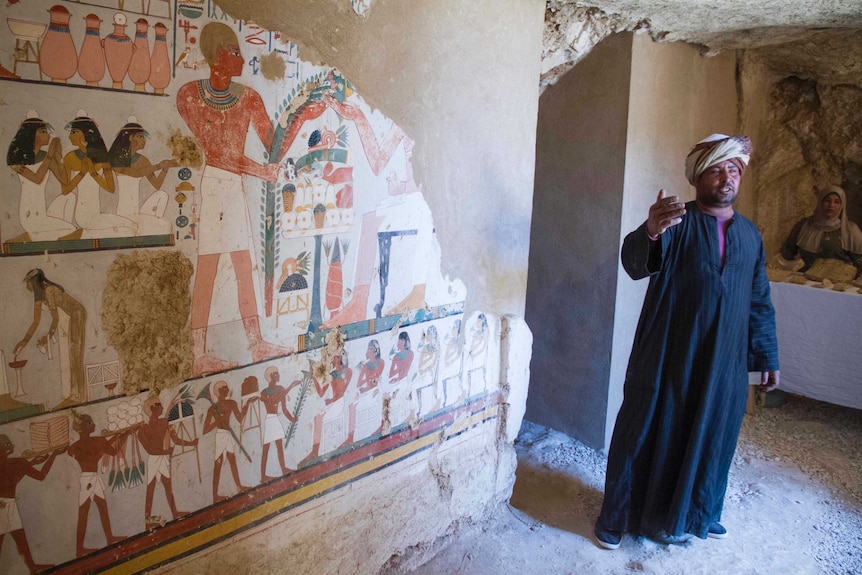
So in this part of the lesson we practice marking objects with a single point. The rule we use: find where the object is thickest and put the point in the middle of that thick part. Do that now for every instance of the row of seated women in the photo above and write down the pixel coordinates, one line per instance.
(826, 234)
(90, 167)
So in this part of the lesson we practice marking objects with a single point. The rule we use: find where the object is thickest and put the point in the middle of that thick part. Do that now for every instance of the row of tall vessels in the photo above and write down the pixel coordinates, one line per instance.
(122, 56)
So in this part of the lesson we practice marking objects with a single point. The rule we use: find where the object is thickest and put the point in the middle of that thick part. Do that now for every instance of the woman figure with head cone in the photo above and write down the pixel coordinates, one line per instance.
(130, 166)
(32, 163)
(88, 170)
(68, 320)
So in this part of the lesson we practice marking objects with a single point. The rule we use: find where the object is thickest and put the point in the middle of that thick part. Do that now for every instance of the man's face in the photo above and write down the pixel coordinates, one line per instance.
(229, 60)
(718, 185)
(85, 425)
(6, 446)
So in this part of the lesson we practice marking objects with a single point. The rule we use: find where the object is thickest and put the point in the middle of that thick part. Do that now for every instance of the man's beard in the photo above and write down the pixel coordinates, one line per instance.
(722, 197)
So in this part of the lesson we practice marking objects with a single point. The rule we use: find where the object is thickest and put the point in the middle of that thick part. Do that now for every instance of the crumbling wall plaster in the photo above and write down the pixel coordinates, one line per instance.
(516, 352)
(155, 349)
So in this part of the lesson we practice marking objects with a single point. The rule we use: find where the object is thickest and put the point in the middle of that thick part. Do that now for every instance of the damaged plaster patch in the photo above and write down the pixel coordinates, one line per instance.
(334, 344)
(185, 150)
(145, 315)
(272, 66)
(385, 412)
(435, 466)
(361, 6)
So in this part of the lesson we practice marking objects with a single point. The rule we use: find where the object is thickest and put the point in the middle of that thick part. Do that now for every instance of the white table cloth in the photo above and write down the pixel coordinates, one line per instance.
(820, 342)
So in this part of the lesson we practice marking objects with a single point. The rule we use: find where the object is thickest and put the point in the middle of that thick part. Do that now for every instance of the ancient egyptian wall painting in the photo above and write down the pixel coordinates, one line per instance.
(255, 204)
(119, 475)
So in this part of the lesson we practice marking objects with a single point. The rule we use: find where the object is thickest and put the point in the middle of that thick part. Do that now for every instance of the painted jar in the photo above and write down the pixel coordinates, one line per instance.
(58, 58)
(118, 51)
(160, 62)
(91, 60)
(139, 68)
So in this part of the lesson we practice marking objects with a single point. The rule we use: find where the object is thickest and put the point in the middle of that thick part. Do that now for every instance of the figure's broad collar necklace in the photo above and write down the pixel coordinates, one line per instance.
(216, 99)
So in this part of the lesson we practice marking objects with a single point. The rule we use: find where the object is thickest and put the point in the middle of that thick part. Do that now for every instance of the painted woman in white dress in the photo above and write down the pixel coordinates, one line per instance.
(88, 170)
(33, 164)
(130, 166)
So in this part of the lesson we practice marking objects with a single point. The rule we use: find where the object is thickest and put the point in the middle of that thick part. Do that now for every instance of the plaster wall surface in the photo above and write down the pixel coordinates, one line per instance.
(580, 163)
(677, 98)
(612, 132)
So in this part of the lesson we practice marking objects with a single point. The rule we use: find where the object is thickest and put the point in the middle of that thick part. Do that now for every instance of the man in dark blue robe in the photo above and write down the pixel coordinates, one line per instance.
(707, 320)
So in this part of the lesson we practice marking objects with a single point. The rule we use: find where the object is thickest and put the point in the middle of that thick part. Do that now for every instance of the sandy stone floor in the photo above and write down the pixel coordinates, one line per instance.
(793, 506)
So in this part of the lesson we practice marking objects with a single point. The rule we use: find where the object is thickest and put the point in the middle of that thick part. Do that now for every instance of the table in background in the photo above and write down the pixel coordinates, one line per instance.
(820, 342)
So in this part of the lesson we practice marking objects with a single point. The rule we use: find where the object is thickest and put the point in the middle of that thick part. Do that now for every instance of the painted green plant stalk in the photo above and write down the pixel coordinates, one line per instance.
(298, 405)
(326, 84)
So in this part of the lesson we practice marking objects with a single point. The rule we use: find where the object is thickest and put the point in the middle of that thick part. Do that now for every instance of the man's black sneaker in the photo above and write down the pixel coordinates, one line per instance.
(607, 538)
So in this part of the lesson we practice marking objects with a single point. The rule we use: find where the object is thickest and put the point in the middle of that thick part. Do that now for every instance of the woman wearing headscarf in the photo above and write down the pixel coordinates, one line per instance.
(827, 233)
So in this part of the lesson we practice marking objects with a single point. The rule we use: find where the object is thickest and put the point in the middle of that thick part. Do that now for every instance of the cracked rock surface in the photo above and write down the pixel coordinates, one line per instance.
(820, 40)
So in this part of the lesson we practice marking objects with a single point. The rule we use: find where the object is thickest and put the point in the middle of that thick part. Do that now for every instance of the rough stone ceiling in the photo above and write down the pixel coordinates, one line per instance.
(820, 39)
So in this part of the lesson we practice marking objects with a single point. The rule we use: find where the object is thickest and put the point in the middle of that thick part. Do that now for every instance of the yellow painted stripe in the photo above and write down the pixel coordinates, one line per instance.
(208, 534)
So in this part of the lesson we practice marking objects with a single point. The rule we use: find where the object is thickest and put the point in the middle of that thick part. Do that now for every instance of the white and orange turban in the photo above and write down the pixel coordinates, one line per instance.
(716, 149)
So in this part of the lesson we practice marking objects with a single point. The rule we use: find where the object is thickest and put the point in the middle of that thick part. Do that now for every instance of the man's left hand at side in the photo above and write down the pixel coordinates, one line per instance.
(769, 380)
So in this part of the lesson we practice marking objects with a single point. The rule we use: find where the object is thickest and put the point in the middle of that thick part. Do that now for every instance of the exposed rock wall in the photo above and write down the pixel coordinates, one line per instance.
(811, 137)
(571, 31)
(814, 40)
